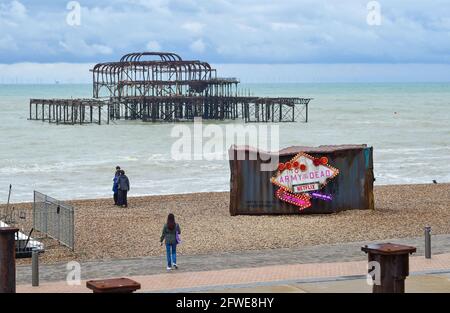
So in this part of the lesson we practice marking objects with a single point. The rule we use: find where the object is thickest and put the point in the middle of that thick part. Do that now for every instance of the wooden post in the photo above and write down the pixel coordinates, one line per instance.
(389, 266)
(8, 259)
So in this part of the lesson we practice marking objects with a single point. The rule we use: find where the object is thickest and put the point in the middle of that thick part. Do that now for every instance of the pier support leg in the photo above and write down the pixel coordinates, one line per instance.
(306, 118)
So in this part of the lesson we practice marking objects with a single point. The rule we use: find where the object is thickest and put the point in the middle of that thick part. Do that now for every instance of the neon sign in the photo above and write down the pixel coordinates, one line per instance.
(302, 201)
(301, 179)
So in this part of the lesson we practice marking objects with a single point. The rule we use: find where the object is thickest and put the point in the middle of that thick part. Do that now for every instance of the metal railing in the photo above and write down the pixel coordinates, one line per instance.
(54, 218)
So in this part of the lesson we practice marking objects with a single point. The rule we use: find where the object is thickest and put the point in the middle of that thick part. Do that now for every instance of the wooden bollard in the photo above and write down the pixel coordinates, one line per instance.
(8, 259)
(393, 261)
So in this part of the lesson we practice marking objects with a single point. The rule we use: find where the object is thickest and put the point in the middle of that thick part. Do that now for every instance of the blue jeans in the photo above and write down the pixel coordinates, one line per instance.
(171, 255)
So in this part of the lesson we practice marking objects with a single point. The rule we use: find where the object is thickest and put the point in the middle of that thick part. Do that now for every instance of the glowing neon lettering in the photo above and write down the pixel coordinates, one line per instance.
(301, 178)
(302, 201)
(321, 196)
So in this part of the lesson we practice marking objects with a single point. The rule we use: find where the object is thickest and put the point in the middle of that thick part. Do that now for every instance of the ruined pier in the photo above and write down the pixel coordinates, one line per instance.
(162, 87)
(69, 111)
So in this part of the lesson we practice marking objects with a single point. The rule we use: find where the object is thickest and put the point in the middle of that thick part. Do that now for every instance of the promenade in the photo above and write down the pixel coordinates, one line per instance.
(326, 268)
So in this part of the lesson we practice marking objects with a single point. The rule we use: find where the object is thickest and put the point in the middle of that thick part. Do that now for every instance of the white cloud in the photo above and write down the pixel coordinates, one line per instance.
(194, 28)
(246, 28)
(101, 49)
(153, 45)
(153, 5)
(79, 46)
(7, 42)
(284, 26)
(31, 73)
(198, 46)
(260, 31)
(11, 15)
(13, 10)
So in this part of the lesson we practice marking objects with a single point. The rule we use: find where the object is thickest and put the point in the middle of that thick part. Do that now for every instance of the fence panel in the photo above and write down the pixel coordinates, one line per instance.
(54, 218)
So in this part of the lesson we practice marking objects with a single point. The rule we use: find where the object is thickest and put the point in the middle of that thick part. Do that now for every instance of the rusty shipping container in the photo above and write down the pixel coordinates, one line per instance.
(252, 191)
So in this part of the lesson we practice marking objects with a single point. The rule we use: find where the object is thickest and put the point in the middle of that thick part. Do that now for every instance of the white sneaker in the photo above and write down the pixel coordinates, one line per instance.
(169, 268)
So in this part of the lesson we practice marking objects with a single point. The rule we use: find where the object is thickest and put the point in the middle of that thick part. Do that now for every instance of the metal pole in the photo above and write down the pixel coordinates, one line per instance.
(306, 119)
(428, 242)
(8, 259)
(35, 268)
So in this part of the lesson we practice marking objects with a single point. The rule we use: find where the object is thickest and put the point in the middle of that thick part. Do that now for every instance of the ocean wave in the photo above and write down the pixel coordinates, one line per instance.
(400, 150)
(53, 167)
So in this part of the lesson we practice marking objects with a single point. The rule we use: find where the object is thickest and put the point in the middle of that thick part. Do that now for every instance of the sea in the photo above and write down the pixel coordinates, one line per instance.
(408, 126)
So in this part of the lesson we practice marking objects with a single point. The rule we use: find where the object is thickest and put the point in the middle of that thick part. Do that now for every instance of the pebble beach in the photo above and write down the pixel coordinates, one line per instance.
(104, 231)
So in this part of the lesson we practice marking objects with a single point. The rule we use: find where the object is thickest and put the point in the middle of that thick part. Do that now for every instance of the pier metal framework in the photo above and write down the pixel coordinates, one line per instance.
(69, 111)
(162, 87)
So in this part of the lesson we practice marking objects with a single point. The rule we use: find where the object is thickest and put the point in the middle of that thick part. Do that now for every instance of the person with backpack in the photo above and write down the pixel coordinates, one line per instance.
(171, 234)
(123, 186)
(115, 187)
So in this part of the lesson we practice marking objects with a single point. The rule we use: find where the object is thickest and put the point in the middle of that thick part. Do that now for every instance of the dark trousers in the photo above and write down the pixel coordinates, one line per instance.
(116, 198)
(123, 197)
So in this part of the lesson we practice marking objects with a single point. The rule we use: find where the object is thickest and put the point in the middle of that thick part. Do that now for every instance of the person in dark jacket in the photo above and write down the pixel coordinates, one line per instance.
(123, 185)
(115, 187)
(170, 233)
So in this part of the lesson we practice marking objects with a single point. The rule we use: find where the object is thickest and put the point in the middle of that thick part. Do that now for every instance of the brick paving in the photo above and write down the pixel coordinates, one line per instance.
(189, 281)
(244, 259)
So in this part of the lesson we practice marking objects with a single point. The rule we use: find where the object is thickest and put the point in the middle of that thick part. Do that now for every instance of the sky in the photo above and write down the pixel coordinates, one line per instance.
(358, 39)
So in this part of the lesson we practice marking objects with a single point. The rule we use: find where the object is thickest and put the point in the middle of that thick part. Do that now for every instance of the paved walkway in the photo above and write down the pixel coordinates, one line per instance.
(213, 262)
(252, 277)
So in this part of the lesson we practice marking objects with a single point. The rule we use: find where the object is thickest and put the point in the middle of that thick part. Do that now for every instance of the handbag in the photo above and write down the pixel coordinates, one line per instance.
(177, 236)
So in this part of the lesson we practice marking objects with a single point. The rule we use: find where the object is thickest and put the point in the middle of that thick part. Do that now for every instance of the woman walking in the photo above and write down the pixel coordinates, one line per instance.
(170, 233)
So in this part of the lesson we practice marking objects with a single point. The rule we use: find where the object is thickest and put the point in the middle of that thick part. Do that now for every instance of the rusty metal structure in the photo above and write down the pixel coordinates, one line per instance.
(252, 192)
(162, 87)
(69, 111)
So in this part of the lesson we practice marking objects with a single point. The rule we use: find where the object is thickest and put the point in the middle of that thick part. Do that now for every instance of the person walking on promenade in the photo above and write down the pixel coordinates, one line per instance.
(115, 187)
(171, 233)
(123, 184)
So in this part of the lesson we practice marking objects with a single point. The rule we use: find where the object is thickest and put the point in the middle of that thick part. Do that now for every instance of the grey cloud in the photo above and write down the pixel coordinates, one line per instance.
(227, 31)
